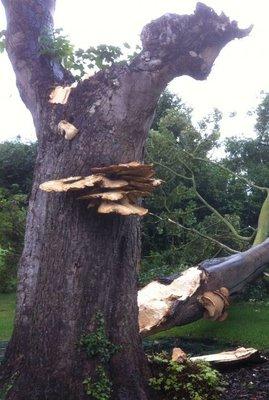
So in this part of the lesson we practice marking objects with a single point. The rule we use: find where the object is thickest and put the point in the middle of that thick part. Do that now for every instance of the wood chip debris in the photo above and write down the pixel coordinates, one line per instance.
(111, 189)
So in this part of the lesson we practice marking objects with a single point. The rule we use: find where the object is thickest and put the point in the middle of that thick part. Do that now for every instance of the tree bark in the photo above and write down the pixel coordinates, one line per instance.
(75, 262)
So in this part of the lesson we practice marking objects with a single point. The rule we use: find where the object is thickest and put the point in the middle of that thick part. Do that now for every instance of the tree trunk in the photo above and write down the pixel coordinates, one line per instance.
(75, 262)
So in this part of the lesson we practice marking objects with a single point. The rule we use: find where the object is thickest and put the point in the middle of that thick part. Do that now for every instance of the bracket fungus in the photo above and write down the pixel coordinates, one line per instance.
(111, 189)
(215, 304)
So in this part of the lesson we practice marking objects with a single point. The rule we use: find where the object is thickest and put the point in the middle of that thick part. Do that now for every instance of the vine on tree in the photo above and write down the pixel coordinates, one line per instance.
(98, 346)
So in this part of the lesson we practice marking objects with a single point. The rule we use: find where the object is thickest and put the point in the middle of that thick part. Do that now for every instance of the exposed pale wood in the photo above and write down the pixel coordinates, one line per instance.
(60, 94)
(156, 301)
(179, 355)
(69, 131)
(230, 358)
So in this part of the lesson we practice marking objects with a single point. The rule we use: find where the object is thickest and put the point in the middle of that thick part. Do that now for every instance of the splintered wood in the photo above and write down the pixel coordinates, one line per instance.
(111, 189)
(156, 301)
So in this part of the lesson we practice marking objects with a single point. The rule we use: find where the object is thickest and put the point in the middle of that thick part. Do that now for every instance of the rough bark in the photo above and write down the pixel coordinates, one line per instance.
(176, 301)
(76, 262)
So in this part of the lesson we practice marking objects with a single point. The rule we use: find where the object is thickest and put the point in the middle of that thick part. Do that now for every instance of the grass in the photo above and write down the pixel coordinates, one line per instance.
(7, 310)
(247, 325)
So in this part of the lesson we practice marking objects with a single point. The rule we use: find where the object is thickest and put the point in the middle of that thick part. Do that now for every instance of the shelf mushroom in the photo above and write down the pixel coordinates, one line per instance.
(111, 189)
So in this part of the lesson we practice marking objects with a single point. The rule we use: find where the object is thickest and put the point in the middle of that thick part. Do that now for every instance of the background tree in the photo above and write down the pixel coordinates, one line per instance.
(16, 172)
(17, 166)
(173, 148)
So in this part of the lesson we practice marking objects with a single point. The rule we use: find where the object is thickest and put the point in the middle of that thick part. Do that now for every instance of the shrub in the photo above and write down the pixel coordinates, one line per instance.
(186, 381)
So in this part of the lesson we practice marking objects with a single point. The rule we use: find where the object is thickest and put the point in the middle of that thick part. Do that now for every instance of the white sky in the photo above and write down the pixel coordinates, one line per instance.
(239, 74)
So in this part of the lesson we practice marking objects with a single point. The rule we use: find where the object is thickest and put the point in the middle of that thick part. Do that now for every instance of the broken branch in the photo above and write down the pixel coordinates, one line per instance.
(162, 306)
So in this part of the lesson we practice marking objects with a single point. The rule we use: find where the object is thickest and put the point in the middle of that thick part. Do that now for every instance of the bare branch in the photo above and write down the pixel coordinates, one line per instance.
(209, 206)
(195, 232)
(226, 169)
(221, 218)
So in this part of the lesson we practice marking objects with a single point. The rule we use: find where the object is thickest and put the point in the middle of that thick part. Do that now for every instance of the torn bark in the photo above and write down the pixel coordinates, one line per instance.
(76, 262)
(186, 298)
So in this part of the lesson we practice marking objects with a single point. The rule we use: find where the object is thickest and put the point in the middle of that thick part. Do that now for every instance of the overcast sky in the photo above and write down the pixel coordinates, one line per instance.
(239, 74)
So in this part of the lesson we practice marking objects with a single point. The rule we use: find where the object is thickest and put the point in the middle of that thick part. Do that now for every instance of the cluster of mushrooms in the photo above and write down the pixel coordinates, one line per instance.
(111, 189)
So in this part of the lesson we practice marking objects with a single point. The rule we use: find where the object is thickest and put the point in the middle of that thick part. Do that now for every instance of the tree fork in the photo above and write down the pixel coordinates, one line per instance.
(75, 262)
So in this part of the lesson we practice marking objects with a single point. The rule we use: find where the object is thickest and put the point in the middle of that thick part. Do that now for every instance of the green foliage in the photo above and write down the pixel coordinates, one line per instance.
(8, 386)
(100, 387)
(7, 302)
(262, 124)
(263, 222)
(168, 101)
(16, 171)
(158, 264)
(5, 282)
(97, 344)
(101, 56)
(256, 292)
(172, 148)
(185, 381)
(17, 161)
(57, 46)
(98, 347)
(2, 41)
(4, 391)
(12, 217)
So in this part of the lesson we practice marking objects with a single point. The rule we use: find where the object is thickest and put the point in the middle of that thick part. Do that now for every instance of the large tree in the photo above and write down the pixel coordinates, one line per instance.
(77, 264)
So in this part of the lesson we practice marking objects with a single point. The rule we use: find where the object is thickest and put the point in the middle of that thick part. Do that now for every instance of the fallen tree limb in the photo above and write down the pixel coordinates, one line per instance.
(231, 358)
(179, 300)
